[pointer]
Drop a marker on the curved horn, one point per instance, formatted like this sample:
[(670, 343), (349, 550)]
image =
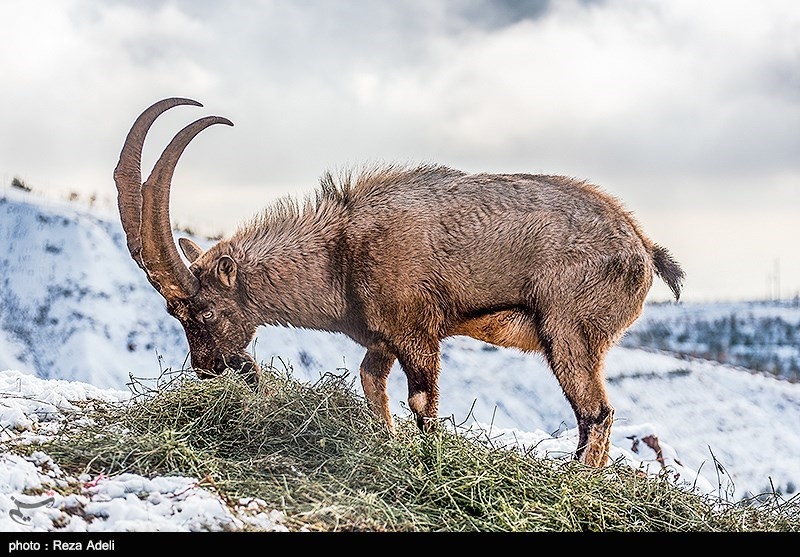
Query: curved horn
[(159, 253), (152, 245), (128, 174)]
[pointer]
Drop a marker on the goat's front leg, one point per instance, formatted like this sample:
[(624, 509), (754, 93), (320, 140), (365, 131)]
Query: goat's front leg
[(422, 373), (375, 368)]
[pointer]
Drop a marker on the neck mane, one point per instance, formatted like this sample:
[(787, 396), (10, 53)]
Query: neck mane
[(286, 260)]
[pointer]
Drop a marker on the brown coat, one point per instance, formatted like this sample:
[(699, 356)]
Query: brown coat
[(398, 259)]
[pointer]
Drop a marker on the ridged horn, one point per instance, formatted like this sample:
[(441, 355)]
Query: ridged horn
[(144, 208), (159, 252)]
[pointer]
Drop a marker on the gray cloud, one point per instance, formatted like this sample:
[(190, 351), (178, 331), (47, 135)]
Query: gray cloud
[(664, 104)]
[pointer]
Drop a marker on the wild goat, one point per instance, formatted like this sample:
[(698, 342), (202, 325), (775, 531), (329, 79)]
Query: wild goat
[(400, 258)]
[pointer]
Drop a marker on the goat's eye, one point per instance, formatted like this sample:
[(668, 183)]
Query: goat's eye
[(208, 315)]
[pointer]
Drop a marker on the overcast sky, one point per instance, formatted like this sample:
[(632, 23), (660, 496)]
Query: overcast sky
[(687, 111)]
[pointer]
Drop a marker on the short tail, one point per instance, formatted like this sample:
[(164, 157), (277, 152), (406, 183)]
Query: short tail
[(669, 270)]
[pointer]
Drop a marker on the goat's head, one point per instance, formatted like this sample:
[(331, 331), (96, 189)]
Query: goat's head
[(203, 297)]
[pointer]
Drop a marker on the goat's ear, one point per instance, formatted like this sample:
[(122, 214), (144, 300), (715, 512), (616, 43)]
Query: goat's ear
[(226, 270), (191, 250)]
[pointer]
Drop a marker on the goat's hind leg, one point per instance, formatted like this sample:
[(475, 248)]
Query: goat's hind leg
[(578, 365)]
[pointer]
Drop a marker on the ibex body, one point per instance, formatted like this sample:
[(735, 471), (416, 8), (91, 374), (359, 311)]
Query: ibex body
[(400, 258)]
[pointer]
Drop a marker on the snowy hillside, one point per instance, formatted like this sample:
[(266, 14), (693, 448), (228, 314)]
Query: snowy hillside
[(74, 306)]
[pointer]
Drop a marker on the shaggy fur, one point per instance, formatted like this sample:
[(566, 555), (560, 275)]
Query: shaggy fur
[(399, 258)]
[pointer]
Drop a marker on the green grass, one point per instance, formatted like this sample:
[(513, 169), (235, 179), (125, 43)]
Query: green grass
[(314, 452)]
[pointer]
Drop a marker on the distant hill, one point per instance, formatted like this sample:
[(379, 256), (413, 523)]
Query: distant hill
[(760, 335)]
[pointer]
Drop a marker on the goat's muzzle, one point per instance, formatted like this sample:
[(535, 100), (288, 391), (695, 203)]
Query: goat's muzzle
[(242, 364)]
